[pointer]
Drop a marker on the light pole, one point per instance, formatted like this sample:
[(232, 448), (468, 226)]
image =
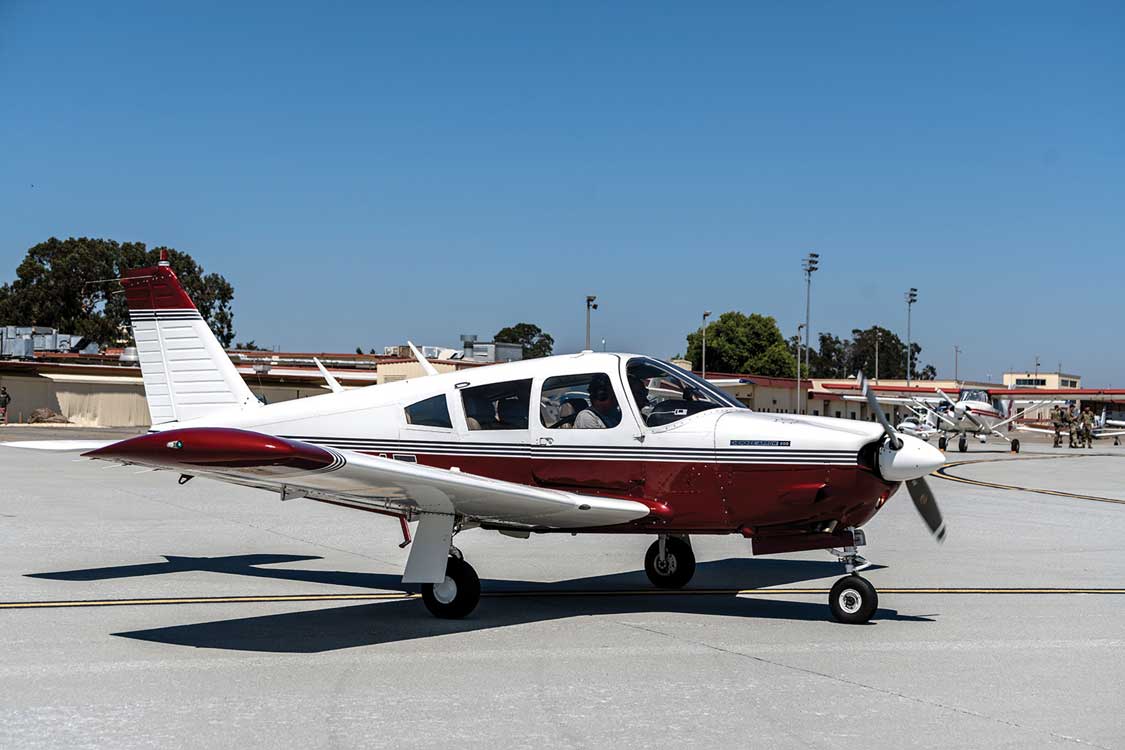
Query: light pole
[(876, 355), (809, 265), (706, 315), (956, 369), (1036, 366), (589, 305), (911, 298), (799, 328)]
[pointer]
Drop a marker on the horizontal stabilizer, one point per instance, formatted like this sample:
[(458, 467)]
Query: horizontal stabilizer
[(59, 446)]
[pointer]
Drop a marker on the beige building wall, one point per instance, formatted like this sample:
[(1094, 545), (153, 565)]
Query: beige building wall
[(1041, 380)]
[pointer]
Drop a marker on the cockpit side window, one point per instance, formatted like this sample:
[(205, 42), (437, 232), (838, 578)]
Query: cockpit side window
[(498, 406), (664, 393)]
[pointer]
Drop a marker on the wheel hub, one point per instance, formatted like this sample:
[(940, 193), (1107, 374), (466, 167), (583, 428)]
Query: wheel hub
[(850, 601), (446, 591), (666, 565)]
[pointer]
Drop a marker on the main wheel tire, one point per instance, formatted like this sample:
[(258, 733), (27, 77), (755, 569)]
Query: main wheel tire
[(942, 442), (853, 600), (1015, 445), (962, 445), (457, 595), (677, 567)]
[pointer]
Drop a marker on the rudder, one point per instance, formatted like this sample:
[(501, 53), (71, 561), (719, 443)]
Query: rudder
[(186, 371)]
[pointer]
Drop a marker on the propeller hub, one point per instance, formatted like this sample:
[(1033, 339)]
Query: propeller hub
[(913, 460)]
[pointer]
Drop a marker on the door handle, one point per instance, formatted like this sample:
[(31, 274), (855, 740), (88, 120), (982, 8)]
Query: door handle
[(546, 441)]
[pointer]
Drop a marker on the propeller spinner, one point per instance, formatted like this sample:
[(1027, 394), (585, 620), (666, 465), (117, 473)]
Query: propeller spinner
[(903, 458)]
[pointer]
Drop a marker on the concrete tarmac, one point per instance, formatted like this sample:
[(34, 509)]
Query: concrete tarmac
[(297, 633)]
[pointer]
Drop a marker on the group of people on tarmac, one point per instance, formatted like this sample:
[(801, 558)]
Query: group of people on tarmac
[(1079, 425)]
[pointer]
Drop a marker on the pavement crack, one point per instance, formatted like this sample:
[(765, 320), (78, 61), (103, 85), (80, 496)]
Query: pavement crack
[(861, 685)]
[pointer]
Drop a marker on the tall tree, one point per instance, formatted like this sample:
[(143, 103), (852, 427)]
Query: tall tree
[(742, 343), (71, 285), (535, 342)]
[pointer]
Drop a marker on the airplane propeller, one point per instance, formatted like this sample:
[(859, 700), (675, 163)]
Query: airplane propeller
[(919, 489)]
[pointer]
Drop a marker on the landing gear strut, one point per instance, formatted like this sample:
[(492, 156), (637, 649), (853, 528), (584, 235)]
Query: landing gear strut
[(670, 562), (853, 599)]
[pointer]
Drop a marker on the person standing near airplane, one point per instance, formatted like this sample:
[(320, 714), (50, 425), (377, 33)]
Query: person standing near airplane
[(1088, 427), (1056, 421), (5, 399)]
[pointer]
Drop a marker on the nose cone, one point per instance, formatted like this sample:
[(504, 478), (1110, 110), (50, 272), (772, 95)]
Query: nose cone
[(916, 458)]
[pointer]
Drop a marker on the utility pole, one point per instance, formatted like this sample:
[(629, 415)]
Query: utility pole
[(799, 328), (809, 264), (706, 315), (589, 305), (956, 371), (911, 298), (1036, 366)]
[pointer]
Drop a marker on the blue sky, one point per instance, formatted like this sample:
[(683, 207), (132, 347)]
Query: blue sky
[(368, 172)]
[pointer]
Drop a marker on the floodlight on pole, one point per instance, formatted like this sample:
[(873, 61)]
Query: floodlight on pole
[(809, 265), (911, 298), (590, 305), (706, 315)]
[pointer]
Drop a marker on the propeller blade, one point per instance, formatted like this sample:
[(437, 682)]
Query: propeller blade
[(873, 405), (927, 507)]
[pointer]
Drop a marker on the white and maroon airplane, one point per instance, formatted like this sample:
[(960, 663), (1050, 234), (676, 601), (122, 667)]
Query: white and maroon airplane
[(589, 442)]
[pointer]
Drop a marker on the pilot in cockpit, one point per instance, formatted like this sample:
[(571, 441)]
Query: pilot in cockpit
[(603, 411)]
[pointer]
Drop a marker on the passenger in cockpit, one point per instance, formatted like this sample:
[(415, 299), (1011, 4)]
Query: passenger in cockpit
[(604, 411)]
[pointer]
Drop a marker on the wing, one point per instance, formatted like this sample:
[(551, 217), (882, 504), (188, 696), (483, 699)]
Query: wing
[(297, 469)]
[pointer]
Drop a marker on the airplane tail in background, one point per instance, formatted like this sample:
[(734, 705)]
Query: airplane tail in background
[(187, 373)]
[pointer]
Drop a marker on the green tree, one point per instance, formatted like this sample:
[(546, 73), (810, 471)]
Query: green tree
[(741, 343), (72, 285), (535, 342), (775, 362)]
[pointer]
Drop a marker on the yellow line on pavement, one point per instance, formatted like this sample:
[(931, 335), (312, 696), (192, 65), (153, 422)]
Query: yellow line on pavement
[(389, 596)]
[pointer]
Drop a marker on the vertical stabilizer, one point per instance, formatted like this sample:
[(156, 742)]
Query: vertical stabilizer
[(187, 373)]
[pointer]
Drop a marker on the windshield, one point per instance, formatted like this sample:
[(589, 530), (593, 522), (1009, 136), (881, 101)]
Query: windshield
[(665, 393), (975, 395)]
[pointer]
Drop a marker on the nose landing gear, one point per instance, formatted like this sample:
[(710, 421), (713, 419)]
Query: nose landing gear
[(670, 562), (853, 600)]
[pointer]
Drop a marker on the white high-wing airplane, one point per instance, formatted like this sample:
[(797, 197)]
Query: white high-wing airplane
[(590, 442), (975, 414)]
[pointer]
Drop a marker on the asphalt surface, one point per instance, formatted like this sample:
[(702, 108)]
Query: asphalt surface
[(298, 633)]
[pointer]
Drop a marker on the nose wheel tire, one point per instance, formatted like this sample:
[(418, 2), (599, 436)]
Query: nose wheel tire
[(941, 443), (457, 595), (675, 569), (853, 600), (1016, 446), (962, 445)]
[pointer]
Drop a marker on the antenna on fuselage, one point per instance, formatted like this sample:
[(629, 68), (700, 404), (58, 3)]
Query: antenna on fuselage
[(426, 366), (333, 384)]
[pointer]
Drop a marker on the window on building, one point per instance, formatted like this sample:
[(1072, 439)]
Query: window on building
[(498, 406), (837, 415), (432, 412), (1031, 381), (853, 415)]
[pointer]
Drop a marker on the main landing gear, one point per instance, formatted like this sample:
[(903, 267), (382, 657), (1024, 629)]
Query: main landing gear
[(963, 444), (853, 600), (942, 442), (670, 562), (458, 594)]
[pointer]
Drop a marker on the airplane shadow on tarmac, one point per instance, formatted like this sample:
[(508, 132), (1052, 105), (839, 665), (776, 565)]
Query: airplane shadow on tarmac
[(337, 627)]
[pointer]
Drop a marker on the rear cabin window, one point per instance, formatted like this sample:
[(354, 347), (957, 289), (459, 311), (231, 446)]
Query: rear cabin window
[(497, 406), (433, 412)]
